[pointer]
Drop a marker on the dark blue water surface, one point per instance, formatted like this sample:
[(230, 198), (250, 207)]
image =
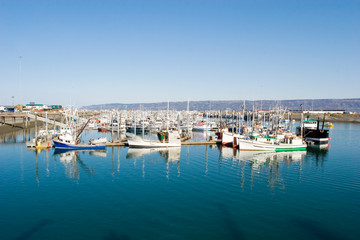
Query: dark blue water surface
[(194, 192)]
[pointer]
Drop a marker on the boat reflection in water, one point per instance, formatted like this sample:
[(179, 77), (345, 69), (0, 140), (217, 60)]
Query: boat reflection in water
[(98, 153), (71, 159), (263, 165), (228, 153), (171, 155), (318, 152), (260, 157), (201, 136)]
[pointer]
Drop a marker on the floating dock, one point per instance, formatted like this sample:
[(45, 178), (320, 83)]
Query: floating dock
[(199, 143), (124, 143)]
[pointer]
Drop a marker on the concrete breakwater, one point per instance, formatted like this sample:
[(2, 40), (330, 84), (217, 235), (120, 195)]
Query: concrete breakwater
[(346, 118)]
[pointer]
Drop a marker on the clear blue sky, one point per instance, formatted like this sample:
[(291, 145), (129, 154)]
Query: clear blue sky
[(94, 52)]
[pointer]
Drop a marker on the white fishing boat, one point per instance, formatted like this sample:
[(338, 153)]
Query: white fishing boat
[(170, 138), (97, 141), (267, 143), (201, 127), (231, 139), (227, 138)]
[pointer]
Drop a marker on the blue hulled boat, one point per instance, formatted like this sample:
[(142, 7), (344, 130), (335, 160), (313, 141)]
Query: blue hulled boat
[(68, 140), (74, 146)]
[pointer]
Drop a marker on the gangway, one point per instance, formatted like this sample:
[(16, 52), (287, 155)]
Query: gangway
[(45, 120)]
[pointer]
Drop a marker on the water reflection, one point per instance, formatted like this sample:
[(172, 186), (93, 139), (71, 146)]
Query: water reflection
[(228, 153), (169, 154), (98, 153), (257, 164), (202, 136), (260, 158), (319, 152), (72, 161), (262, 164), (20, 136)]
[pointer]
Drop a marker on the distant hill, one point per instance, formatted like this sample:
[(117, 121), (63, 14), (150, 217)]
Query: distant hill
[(351, 105)]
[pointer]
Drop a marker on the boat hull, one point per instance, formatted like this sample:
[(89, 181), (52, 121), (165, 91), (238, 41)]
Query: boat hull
[(61, 145), (250, 145), (101, 129), (227, 139), (318, 136), (151, 144)]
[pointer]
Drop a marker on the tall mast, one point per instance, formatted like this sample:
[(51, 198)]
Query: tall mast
[(167, 117), (301, 121), (188, 117)]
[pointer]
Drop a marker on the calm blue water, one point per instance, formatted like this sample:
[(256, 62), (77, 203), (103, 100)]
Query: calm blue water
[(196, 192)]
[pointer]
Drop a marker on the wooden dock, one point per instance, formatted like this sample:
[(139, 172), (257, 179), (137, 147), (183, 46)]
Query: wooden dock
[(116, 144), (199, 143), (124, 143)]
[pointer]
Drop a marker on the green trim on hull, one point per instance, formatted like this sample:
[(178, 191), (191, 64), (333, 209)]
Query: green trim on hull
[(290, 149)]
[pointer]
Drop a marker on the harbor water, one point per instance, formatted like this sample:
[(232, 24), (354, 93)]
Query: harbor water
[(192, 192)]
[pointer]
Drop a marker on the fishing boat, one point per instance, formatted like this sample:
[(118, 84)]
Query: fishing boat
[(205, 126), (312, 133), (102, 129), (98, 141), (201, 127), (230, 139), (68, 140), (328, 125), (227, 138), (268, 143), (167, 138)]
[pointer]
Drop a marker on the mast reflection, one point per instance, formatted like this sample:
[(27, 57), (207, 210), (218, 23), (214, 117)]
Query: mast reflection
[(72, 161)]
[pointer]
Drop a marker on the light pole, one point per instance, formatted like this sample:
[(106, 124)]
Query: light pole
[(20, 87), (13, 100)]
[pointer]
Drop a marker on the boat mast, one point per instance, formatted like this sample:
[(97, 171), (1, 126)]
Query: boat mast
[(238, 116), (188, 118), (301, 121), (134, 123), (233, 123), (118, 124), (167, 117), (207, 119), (46, 114), (143, 127)]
